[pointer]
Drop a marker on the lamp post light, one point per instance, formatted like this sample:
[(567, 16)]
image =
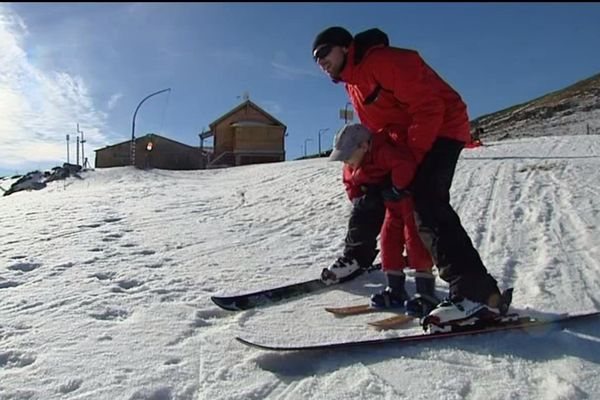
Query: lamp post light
[(322, 130), (306, 140), (346, 112), (132, 156)]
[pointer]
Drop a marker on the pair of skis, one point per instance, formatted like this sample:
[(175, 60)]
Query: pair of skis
[(264, 297)]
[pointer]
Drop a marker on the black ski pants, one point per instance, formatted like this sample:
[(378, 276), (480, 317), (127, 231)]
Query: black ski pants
[(440, 228), (364, 225)]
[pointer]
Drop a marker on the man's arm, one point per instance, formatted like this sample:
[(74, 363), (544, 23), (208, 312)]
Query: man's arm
[(402, 166), (404, 74)]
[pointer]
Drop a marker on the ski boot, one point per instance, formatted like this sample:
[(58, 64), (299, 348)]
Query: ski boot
[(457, 312), (343, 269), (424, 299), (394, 295)]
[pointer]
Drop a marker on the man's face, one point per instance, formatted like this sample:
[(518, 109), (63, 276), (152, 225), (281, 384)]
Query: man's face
[(330, 58)]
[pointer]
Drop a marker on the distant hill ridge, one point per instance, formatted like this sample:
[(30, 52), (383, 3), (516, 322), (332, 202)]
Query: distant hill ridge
[(574, 110)]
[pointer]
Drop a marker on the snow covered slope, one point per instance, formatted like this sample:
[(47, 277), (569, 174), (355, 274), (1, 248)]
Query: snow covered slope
[(105, 283)]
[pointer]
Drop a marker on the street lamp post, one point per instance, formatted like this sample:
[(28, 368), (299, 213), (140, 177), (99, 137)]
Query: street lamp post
[(68, 162), (82, 141), (306, 140), (322, 130), (132, 156)]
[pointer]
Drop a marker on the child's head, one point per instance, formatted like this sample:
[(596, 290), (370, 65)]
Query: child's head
[(350, 144)]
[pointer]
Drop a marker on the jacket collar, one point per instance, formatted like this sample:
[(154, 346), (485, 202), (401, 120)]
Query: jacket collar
[(348, 74), (362, 44)]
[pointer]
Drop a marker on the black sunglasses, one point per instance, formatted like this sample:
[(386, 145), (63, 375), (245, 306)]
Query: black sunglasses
[(323, 52)]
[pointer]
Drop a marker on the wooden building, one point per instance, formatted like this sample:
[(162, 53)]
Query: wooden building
[(153, 151), (246, 135)]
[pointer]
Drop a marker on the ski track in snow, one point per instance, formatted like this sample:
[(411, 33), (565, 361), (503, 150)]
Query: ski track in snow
[(105, 283)]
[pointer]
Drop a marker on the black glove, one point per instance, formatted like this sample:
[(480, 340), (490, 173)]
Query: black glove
[(371, 189), (392, 193)]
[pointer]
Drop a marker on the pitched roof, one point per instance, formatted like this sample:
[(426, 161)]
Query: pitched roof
[(145, 137), (245, 104)]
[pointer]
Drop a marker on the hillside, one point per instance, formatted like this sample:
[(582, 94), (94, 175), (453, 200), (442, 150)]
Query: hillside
[(574, 110)]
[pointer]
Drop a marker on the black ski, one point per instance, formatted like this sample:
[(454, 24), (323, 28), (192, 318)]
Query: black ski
[(520, 323), (264, 297)]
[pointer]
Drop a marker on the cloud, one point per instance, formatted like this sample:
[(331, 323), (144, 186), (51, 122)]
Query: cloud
[(39, 107), (233, 57), (285, 69), (271, 107), (288, 72), (112, 102)]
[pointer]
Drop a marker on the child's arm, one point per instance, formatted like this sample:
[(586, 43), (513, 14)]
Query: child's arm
[(352, 189)]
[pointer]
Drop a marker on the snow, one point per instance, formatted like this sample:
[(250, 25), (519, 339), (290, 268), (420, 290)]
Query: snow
[(105, 283)]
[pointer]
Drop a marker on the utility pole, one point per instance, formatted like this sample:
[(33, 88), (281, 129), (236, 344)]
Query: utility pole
[(67, 148), (77, 163)]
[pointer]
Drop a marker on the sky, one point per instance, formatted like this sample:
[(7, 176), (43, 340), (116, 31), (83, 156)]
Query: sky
[(63, 64), (105, 284)]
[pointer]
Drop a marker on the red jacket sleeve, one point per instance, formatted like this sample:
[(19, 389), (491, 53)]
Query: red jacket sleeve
[(398, 160), (352, 190), (402, 167), (405, 74)]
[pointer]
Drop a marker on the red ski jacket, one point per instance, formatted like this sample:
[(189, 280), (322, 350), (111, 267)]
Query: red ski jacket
[(393, 86), (399, 228)]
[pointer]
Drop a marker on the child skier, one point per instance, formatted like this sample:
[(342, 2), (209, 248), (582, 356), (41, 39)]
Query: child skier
[(375, 170)]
